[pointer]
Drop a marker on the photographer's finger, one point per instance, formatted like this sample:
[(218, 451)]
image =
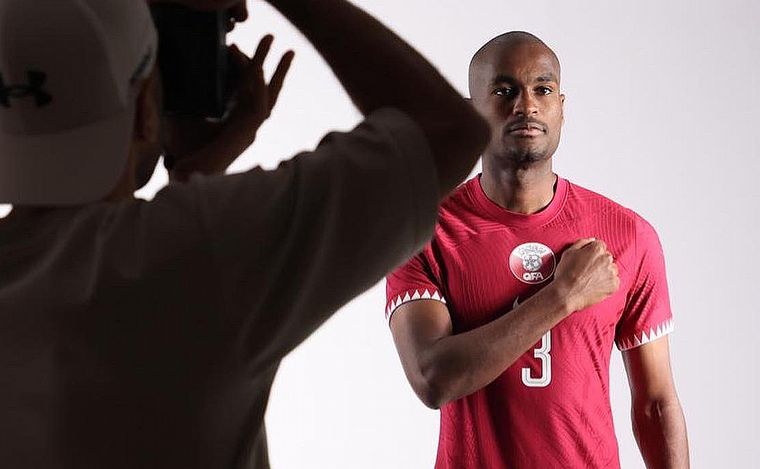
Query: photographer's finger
[(262, 51), (239, 59), (278, 78)]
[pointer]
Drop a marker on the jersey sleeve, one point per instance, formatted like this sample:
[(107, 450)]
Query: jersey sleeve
[(295, 244), (415, 280), (647, 315)]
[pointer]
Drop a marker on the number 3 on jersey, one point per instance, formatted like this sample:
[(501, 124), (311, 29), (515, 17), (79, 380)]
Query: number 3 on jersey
[(541, 353)]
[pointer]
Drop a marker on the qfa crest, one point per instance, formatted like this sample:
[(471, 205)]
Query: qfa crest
[(532, 263)]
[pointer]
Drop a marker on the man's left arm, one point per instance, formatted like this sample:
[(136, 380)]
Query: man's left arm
[(658, 422)]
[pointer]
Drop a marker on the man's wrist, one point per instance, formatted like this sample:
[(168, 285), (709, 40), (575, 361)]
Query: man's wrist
[(559, 298)]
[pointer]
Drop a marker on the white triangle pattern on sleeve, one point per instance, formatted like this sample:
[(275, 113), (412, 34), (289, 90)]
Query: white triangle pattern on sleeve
[(412, 295), (654, 333)]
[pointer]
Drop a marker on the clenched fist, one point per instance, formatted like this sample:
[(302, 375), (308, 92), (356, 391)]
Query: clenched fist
[(586, 274)]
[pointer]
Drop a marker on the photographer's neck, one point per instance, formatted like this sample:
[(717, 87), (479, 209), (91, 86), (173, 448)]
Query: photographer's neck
[(126, 185)]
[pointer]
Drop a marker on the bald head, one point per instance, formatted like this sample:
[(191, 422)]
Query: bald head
[(504, 44), (514, 85)]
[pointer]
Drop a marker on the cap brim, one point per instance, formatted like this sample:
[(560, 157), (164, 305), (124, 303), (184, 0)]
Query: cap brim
[(74, 167)]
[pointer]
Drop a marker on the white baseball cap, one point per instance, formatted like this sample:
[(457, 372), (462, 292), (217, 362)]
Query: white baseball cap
[(69, 71)]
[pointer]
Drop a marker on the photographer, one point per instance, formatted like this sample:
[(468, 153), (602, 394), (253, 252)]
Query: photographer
[(141, 334)]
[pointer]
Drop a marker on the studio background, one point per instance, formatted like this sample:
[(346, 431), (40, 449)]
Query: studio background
[(661, 116)]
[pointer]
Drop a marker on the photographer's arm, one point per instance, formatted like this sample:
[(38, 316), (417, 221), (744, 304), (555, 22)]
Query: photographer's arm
[(378, 69)]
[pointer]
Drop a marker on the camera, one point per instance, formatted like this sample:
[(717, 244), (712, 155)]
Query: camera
[(193, 61)]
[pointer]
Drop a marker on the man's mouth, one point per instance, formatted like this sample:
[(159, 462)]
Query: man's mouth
[(526, 129)]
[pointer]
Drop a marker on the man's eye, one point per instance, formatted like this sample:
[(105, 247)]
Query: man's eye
[(544, 90), (503, 92)]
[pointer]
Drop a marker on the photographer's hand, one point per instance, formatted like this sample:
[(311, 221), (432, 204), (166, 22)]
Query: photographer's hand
[(199, 146)]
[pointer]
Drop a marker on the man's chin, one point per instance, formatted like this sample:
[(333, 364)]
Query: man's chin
[(526, 155), (532, 147)]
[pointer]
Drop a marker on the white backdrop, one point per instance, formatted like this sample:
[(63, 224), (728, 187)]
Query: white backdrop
[(661, 115)]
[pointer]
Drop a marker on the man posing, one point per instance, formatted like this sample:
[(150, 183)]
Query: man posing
[(506, 319)]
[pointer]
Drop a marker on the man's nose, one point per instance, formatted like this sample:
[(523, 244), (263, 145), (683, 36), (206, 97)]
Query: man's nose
[(525, 104)]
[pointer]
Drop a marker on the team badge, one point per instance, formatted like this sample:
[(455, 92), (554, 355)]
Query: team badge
[(532, 263)]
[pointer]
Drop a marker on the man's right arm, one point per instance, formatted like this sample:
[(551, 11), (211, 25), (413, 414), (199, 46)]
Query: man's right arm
[(378, 69), (443, 367)]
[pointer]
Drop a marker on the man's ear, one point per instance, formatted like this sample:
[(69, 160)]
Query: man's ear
[(562, 103), (147, 126)]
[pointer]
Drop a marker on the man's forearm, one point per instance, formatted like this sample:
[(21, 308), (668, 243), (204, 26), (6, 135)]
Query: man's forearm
[(378, 69), (461, 364), (660, 430)]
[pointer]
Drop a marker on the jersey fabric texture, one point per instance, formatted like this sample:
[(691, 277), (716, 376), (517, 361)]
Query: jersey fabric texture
[(147, 334), (551, 408)]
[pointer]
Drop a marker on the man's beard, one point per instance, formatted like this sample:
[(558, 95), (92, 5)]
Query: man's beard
[(526, 156)]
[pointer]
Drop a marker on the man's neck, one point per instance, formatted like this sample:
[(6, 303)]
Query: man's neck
[(525, 190)]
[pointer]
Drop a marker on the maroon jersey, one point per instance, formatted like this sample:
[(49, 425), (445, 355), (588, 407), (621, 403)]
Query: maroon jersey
[(551, 408)]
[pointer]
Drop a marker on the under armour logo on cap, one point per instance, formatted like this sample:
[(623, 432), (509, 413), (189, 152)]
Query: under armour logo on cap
[(67, 110), (36, 80)]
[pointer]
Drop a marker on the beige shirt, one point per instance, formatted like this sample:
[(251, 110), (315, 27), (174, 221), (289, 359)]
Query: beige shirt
[(147, 334)]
